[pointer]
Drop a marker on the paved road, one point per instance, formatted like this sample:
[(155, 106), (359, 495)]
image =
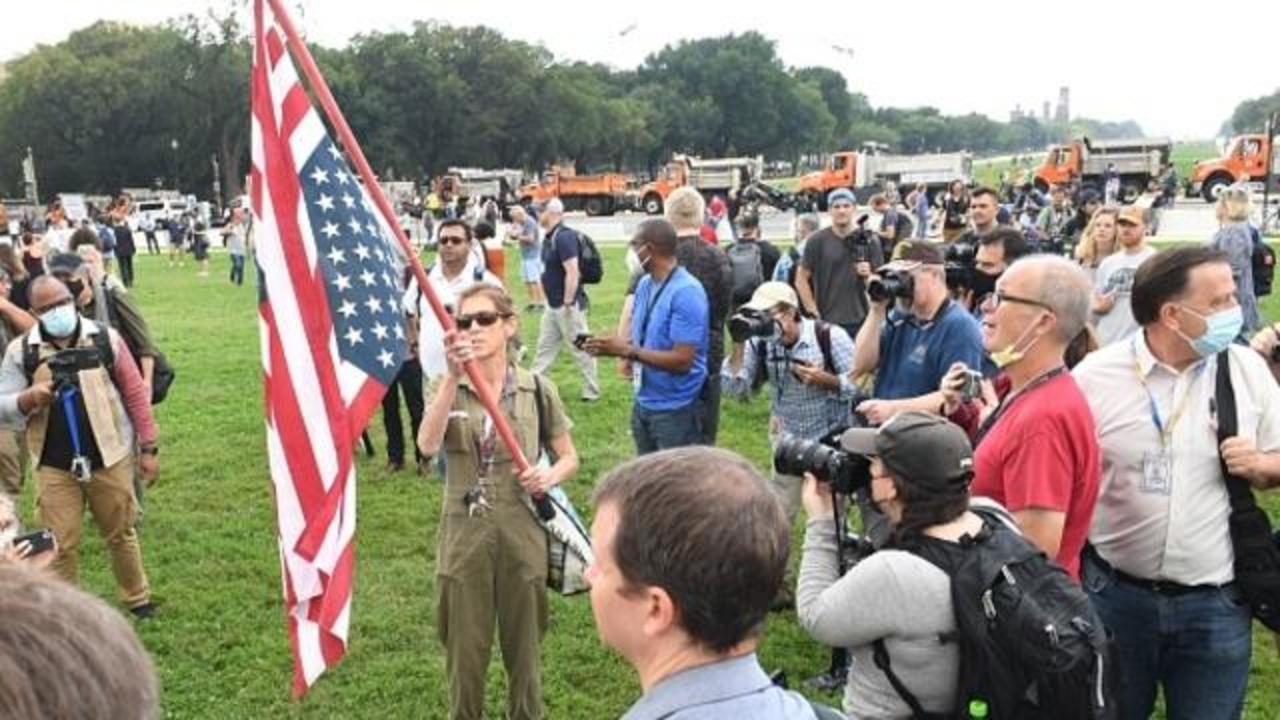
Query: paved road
[(1188, 219)]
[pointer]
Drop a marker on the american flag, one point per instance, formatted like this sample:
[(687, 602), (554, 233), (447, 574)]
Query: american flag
[(331, 338)]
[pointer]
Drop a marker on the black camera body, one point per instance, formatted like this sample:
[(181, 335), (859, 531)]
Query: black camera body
[(66, 364), (959, 263), (845, 472), (751, 323), (891, 285)]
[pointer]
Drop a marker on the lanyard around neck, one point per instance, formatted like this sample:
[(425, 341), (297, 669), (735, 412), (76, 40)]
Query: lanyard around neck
[(1164, 427)]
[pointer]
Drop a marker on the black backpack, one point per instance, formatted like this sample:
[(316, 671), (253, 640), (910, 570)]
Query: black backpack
[(746, 259), (1031, 644), (590, 266), (1264, 265)]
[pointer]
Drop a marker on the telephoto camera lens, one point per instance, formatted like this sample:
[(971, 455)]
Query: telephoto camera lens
[(845, 472)]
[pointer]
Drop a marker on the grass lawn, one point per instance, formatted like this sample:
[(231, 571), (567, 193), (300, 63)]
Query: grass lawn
[(219, 639)]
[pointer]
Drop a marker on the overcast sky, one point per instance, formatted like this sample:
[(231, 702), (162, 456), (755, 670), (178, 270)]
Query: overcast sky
[(1175, 68)]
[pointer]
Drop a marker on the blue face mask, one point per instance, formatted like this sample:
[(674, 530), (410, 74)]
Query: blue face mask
[(1221, 329), (60, 322)]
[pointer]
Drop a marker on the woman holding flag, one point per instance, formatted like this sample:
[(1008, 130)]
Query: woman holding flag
[(491, 565)]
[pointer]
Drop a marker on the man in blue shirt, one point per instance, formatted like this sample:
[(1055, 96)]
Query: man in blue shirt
[(667, 347), (911, 347), (566, 315), (690, 549)]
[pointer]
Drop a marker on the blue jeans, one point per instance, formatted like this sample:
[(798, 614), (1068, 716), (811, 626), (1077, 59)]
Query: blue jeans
[(1195, 645), (237, 269), (655, 430)]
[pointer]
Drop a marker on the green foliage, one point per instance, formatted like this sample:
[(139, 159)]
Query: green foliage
[(101, 109), (209, 538), (1251, 115)]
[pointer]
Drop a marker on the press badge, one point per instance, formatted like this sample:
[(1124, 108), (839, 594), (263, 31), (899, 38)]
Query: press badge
[(1157, 472)]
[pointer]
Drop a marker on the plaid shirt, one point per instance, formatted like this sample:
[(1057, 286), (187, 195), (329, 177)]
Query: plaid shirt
[(805, 411)]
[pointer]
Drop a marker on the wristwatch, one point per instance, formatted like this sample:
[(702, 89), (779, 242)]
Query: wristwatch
[(153, 450)]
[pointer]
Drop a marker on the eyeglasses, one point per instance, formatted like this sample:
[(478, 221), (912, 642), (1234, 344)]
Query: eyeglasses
[(452, 240), (995, 299), (483, 319)]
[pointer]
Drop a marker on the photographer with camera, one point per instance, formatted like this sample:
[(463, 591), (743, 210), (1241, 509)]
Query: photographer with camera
[(77, 387), (835, 267), (976, 279), (913, 335), (917, 467), (807, 362), (1036, 449)]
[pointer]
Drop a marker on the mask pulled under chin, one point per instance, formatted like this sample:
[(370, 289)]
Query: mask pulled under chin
[(1007, 356)]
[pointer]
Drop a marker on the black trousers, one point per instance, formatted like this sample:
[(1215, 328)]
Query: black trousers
[(408, 381), (153, 245), (126, 269)]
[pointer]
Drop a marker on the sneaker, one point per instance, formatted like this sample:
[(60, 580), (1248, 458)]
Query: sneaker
[(143, 612)]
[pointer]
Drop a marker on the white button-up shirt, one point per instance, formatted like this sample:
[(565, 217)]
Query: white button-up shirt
[(1179, 535), (430, 334)]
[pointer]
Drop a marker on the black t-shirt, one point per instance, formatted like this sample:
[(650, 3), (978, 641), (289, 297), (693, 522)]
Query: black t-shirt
[(955, 212), (839, 292), (124, 240)]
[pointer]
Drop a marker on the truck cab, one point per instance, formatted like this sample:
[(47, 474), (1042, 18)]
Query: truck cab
[(840, 172), (1245, 160), (1061, 164)]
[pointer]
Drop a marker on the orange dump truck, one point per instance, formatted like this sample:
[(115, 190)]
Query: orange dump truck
[(596, 194), (1244, 161)]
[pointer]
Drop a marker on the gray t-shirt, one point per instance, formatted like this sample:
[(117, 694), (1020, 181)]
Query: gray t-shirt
[(1115, 275), (1236, 241), (893, 595), (840, 293)]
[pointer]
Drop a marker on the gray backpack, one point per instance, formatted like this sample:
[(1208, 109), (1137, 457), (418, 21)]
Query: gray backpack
[(748, 269)]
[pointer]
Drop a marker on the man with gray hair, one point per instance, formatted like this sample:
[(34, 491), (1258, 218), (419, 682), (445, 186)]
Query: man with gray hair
[(1036, 452), (566, 315)]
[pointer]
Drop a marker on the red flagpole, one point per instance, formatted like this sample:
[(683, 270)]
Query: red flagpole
[(349, 143)]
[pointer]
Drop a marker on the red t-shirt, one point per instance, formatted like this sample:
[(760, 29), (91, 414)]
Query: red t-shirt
[(1043, 454)]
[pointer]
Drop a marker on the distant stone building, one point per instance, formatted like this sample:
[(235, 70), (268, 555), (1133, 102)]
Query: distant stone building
[(1063, 114)]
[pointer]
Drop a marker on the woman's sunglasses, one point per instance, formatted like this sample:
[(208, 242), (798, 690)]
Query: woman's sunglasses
[(483, 319)]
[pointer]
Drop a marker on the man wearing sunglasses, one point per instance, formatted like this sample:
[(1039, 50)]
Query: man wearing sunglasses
[(455, 270), (1035, 447)]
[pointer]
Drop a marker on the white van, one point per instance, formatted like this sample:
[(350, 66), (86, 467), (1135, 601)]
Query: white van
[(157, 210)]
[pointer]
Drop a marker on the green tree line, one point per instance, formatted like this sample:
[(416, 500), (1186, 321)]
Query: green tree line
[(119, 105), (1251, 115)]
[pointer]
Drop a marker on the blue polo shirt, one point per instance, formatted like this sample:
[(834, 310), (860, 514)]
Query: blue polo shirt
[(669, 313), (916, 354)]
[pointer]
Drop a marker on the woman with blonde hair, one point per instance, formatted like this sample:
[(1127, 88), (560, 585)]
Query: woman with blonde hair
[(1098, 240), (1235, 238), (491, 567)]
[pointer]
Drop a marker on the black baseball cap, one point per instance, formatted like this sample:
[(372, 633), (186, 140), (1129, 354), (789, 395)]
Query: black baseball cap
[(917, 447)]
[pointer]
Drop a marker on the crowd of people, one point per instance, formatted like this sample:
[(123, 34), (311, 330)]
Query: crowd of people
[(1058, 386)]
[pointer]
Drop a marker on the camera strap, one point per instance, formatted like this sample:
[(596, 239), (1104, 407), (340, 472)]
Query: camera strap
[(1009, 401)]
